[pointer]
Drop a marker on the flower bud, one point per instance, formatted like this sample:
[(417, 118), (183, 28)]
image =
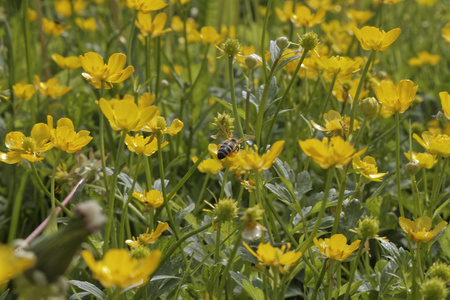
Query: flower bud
[(434, 289), (412, 167), (140, 252), (161, 123), (253, 230), (440, 270), (224, 120), (250, 62), (225, 210), (368, 107), (282, 42), (309, 41), (164, 84), (417, 100), (231, 47), (368, 228)]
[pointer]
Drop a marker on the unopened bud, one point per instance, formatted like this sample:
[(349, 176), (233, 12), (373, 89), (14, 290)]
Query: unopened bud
[(309, 41), (231, 47), (412, 167), (368, 228), (368, 107), (225, 210), (434, 289), (140, 252), (250, 62), (164, 84), (440, 270), (282, 42), (417, 100)]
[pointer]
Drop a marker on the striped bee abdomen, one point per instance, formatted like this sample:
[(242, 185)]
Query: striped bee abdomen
[(225, 149)]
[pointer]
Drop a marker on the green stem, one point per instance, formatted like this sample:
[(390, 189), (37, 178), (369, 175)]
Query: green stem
[(131, 38), (340, 201), (204, 61), (425, 186), (416, 196), (198, 204), (224, 181), (320, 279), (52, 184), (102, 138), (397, 163), (435, 198), (16, 208), (330, 92), (263, 40), (233, 96), (158, 66), (148, 173), (186, 48), (148, 72), (217, 252), (353, 268)]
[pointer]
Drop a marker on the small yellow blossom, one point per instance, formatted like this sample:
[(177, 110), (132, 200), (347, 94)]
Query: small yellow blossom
[(211, 166), (24, 91), (209, 36), (425, 160), (304, 18), (152, 198), (147, 238), (28, 148), (420, 229), (51, 88), (426, 2), (64, 7), (125, 115), (434, 143), (335, 124), (53, 28), (250, 160), (69, 62), (231, 161), (142, 145), (369, 168), (445, 102), (330, 152), (146, 6), (276, 257), (65, 137), (395, 98), (32, 15), (336, 247), (176, 68), (88, 24), (159, 125), (445, 32), (343, 66), (13, 263), (97, 71), (345, 90), (360, 16), (287, 13), (372, 38), (424, 58), (119, 269), (387, 2), (152, 28)]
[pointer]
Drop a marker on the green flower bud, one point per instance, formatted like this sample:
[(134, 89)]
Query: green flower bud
[(164, 84), (250, 62), (368, 228), (417, 128), (412, 167), (368, 107), (309, 41), (253, 214), (140, 252), (225, 121), (231, 47), (434, 289), (417, 100), (440, 270), (225, 210), (282, 42)]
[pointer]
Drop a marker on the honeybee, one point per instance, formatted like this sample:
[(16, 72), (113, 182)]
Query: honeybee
[(231, 146)]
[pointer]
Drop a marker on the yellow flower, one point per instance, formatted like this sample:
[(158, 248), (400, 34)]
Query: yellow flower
[(32, 15), (425, 160), (287, 13), (231, 161), (125, 114), (445, 102), (434, 143), (330, 152), (64, 136), (369, 168), (426, 2), (372, 38), (51, 88), (146, 6), (276, 257), (24, 91), (152, 28), (28, 148), (88, 24), (250, 160), (53, 28), (211, 166), (424, 58), (445, 32), (345, 90), (388, 2), (147, 238), (97, 71), (69, 62), (151, 198), (13, 263), (119, 269), (360, 16), (343, 66), (177, 25), (142, 145), (159, 125), (335, 124), (395, 98), (209, 36), (304, 18), (336, 247), (64, 7), (420, 229)]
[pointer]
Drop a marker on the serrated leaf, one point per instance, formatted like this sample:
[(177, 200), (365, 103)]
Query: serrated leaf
[(89, 287)]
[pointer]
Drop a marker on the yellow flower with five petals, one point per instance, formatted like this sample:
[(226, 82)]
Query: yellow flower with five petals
[(369, 168), (372, 38), (303, 17), (152, 28), (65, 137), (13, 263), (445, 102), (53, 28), (159, 125), (395, 98), (152, 198), (210, 166), (146, 6), (420, 229), (336, 247), (425, 160), (434, 143), (250, 160), (148, 238), (143, 145), (24, 91), (51, 88), (69, 62)]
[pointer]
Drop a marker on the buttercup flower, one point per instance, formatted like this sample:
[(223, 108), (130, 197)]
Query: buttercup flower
[(276, 257), (148, 238), (425, 160), (330, 152), (64, 136), (97, 71), (51, 88), (434, 143), (32, 15), (142, 145), (88, 24), (231, 161), (119, 269), (28, 148), (146, 6), (445, 32), (341, 65), (209, 36), (69, 62), (359, 16), (395, 98), (211, 166), (372, 38), (13, 263), (152, 28), (53, 28), (64, 7), (445, 102), (345, 90), (424, 58), (369, 168), (24, 91), (420, 229), (250, 160), (304, 18), (336, 247), (159, 125), (151, 198), (125, 115), (335, 124), (287, 13)]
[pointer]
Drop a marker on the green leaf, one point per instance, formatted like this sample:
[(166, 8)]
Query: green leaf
[(3, 296), (444, 241), (242, 280), (89, 287), (241, 112)]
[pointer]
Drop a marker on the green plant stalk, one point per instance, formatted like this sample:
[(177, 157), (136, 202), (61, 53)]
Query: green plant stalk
[(340, 201), (416, 196), (217, 248), (52, 184), (280, 220), (148, 67), (11, 79), (158, 66), (285, 95), (263, 41), (425, 186), (353, 268), (233, 96), (186, 48), (124, 217), (276, 280), (130, 41), (16, 208), (110, 228), (26, 35), (224, 181), (247, 101), (198, 204), (102, 138), (330, 279), (322, 210), (320, 279), (204, 61), (358, 90), (435, 198), (148, 173), (397, 163), (330, 92)]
